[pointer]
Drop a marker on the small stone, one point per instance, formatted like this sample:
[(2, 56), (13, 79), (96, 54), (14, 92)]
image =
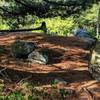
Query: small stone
[(60, 83), (37, 57), (57, 80)]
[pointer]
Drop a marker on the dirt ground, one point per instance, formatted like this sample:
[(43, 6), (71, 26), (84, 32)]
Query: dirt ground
[(69, 60)]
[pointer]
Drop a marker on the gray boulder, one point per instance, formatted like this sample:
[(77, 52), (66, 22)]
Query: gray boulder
[(21, 48), (38, 57)]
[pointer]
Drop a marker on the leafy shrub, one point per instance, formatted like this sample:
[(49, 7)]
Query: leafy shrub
[(89, 19), (15, 96), (58, 26), (65, 26)]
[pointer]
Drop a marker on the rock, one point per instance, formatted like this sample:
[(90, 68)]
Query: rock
[(60, 83), (21, 48), (38, 57), (85, 36), (94, 66), (57, 80)]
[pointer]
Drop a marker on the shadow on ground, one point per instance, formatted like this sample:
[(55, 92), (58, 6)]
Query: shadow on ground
[(71, 76)]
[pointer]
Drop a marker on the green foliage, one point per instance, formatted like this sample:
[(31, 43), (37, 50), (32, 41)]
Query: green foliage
[(65, 26), (90, 15), (89, 19), (63, 93), (43, 8), (26, 91), (3, 26), (21, 22), (15, 96), (58, 26)]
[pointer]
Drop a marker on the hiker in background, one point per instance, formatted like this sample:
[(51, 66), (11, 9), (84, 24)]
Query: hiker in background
[(83, 34)]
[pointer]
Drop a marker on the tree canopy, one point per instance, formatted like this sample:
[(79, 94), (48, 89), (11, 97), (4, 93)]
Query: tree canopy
[(43, 8)]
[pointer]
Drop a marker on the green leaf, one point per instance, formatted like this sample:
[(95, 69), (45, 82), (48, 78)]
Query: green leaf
[(30, 98)]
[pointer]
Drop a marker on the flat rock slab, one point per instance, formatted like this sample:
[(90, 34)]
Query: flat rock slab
[(74, 53)]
